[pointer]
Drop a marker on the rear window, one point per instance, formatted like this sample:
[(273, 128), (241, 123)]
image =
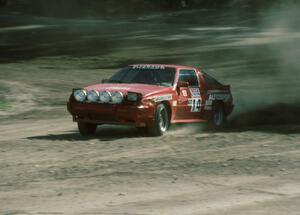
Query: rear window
[(210, 80)]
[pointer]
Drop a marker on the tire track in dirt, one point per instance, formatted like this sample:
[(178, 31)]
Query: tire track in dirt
[(20, 97), (174, 174), (189, 199)]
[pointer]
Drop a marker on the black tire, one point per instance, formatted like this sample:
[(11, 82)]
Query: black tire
[(218, 117), (161, 122), (142, 130), (86, 129)]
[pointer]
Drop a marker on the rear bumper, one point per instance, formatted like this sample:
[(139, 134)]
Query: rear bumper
[(123, 114)]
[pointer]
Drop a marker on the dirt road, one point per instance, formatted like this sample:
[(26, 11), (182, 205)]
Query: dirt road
[(252, 168), (47, 168)]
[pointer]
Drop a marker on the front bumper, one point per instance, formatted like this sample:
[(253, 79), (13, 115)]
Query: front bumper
[(138, 115)]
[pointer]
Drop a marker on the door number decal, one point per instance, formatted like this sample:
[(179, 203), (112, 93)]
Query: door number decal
[(195, 104)]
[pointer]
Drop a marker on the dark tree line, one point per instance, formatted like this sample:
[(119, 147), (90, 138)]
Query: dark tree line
[(124, 7), (3, 2)]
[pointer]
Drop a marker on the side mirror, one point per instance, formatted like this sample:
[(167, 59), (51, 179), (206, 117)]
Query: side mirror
[(104, 81), (182, 84)]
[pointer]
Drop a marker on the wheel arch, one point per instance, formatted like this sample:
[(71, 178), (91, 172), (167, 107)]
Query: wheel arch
[(218, 102), (226, 106)]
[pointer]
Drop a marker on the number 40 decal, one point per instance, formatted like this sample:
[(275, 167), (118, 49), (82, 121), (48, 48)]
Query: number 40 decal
[(195, 104)]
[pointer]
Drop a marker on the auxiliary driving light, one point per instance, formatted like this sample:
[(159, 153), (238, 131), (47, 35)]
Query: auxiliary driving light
[(80, 95), (93, 96), (105, 96), (117, 97)]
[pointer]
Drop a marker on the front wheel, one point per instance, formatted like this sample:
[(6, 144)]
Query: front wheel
[(161, 121), (86, 129)]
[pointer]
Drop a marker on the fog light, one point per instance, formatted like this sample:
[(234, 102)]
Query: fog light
[(80, 95), (117, 97), (105, 97), (93, 96)]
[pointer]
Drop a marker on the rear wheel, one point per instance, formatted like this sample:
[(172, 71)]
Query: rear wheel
[(161, 122), (218, 118), (86, 129)]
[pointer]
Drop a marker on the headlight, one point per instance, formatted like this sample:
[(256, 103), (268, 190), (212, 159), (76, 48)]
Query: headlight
[(93, 96), (105, 97), (80, 95), (133, 97), (117, 97)]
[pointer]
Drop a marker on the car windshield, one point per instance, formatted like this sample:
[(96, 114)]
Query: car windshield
[(152, 75)]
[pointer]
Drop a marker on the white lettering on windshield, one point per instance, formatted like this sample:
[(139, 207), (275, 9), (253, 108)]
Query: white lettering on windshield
[(148, 67)]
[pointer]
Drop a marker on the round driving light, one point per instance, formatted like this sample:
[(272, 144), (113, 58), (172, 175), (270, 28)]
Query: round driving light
[(105, 97), (93, 96), (80, 95), (117, 97)]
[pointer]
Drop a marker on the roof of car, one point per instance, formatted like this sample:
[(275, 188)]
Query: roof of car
[(165, 65)]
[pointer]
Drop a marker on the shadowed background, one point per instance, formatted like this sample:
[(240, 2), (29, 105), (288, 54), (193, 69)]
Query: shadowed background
[(252, 45)]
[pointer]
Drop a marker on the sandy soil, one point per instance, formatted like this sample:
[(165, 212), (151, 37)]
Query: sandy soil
[(252, 167), (47, 168)]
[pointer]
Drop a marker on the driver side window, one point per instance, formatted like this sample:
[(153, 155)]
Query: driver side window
[(189, 76)]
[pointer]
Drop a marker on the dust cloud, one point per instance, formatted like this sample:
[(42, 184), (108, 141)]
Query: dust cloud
[(268, 91)]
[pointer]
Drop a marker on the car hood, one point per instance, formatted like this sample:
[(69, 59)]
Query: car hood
[(144, 89)]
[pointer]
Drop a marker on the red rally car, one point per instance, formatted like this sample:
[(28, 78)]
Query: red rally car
[(151, 97)]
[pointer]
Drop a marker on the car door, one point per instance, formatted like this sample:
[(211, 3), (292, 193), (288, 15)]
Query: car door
[(190, 100)]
